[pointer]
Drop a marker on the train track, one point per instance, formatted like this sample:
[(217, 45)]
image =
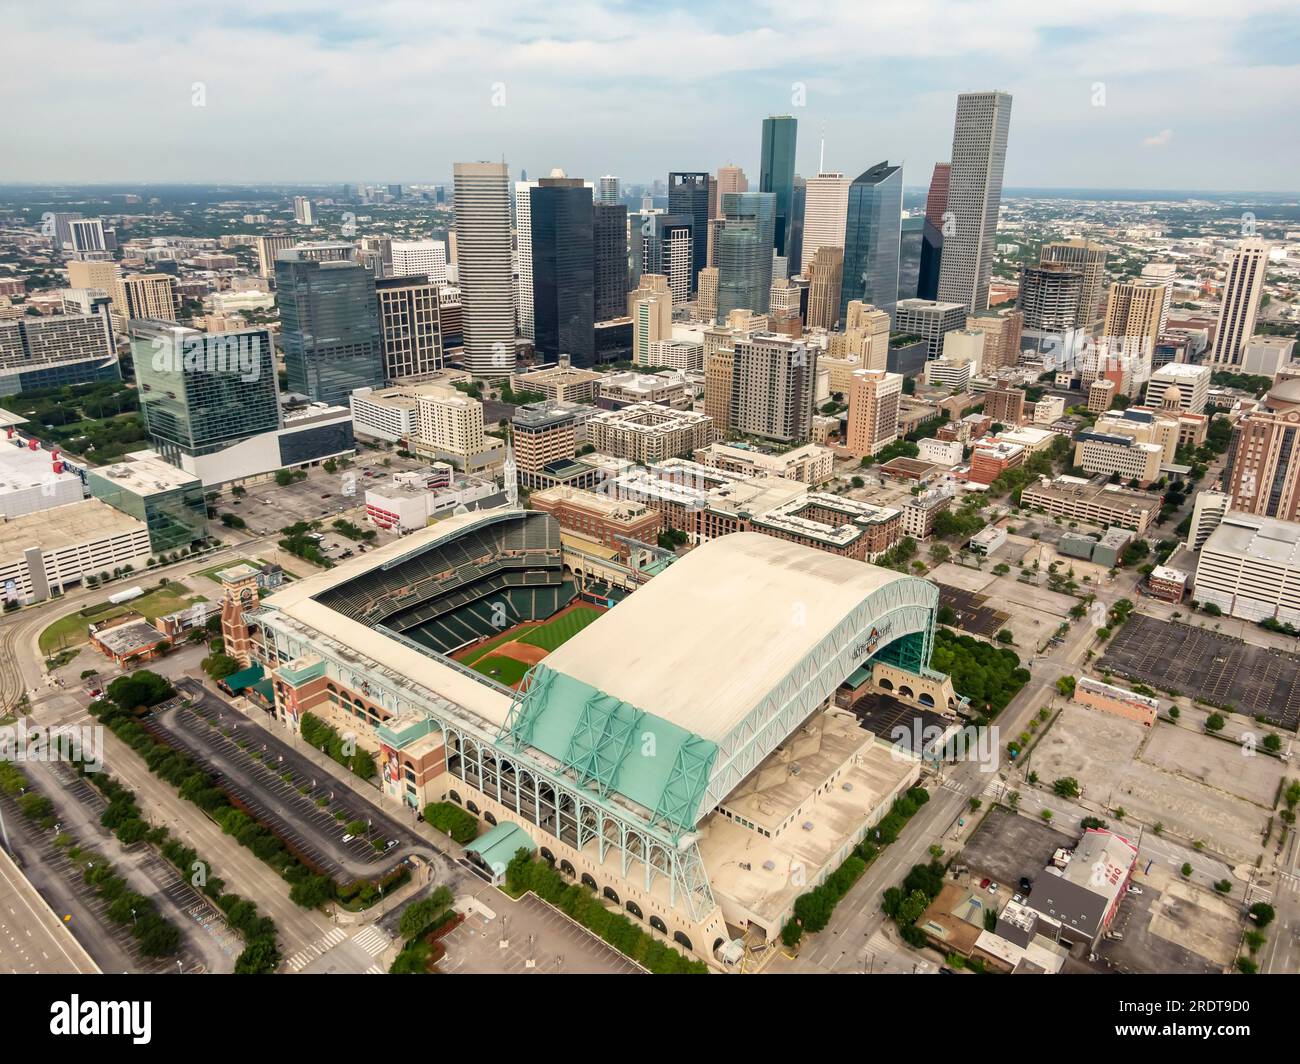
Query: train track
[(11, 677)]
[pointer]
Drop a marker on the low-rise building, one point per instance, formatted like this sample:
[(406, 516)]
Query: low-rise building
[(1119, 456), (940, 452), (1095, 501), (1116, 700), (919, 511), (987, 540), (605, 519), (1167, 583), (411, 500), (649, 432), (562, 383), (990, 460), (127, 640), (810, 464)]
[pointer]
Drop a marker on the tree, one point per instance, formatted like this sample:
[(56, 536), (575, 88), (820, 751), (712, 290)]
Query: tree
[(1262, 913), (1214, 723), (1066, 787), (1065, 685), (139, 690), (1272, 742), (1187, 870)]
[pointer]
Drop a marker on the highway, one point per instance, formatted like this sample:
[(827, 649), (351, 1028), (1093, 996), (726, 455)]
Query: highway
[(33, 940)]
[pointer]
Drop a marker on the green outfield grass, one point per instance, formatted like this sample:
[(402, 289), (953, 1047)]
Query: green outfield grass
[(508, 636), (506, 671), (552, 634)]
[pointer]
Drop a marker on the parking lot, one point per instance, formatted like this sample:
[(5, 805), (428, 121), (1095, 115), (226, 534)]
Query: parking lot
[(321, 496), (1007, 846), (974, 615), (1172, 927), (1203, 664), (305, 807), (534, 931)]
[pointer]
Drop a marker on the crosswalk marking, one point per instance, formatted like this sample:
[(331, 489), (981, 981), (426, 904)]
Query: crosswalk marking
[(323, 945), (372, 940)]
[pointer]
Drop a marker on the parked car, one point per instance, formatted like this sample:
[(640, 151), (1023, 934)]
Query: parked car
[(993, 888), (348, 837), (1025, 885), (1135, 890), (984, 884), (390, 844)]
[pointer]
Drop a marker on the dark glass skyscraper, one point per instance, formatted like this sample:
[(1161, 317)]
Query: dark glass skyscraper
[(611, 261), (776, 172), (936, 211), (688, 194), (872, 236), (564, 261), (910, 247), (744, 252), (329, 327), (794, 250)]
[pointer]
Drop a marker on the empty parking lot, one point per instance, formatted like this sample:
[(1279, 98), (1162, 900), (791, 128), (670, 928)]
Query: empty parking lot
[(1207, 665)]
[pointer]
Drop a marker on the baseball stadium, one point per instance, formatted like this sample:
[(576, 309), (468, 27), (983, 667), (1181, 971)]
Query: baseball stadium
[(683, 753)]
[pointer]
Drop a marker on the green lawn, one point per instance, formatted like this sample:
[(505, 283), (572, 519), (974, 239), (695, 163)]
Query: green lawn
[(70, 630), (506, 671), (211, 574), (552, 634)]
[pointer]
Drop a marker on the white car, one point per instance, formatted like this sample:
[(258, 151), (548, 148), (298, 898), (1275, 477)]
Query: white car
[(993, 888), (348, 838), (1135, 890)]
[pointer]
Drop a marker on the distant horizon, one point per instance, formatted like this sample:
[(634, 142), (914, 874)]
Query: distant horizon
[(1007, 190)]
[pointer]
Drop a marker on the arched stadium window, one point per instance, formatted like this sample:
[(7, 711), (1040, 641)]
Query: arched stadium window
[(589, 881), (472, 808), (611, 895), (905, 691), (490, 819), (717, 945), (635, 910), (680, 938), (454, 797), (567, 869), (926, 699), (887, 684), (548, 857), (659, 925)]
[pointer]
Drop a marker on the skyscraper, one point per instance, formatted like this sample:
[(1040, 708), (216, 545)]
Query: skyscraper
[(650, 306), (776, 172), (610, 247), (688, 195), (1242, 289), (936, 208), (1049, 297), (910, 248), (609, 190), (664, 244), (872, 238), (483, 259), (1090, 260), (825, 281), (202, 392), (411, 327), (303, 211), (329, 325), (731, 179), (564, 258), (745, 252), (825, 213), (874, 398), (1262, 474), (523, 273), (979, 153), (773, 385), (795, 256)]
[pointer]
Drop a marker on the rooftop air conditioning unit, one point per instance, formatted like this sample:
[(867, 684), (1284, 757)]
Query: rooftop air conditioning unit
[(769, 866), (807, 825)]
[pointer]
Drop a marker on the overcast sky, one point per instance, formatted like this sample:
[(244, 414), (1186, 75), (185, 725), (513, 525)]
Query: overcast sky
[(1171, 94)]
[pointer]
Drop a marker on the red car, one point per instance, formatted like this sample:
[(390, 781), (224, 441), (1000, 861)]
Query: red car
[(984, 884)]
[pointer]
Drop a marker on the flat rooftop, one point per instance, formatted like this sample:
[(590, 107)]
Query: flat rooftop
[(1265, 538), (21, 467), (144, 472), (64, 526)]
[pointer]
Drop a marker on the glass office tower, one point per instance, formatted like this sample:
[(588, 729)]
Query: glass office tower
[(562, 226), (329, 327), (872, 238), (909, 256), (688, 194), (200, 392), (744, 252), (776, 173)]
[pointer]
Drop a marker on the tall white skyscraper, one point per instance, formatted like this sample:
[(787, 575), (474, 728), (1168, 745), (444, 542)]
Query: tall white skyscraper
[(1242, 290), (825, 212), (303, 212), (524, 258), (979, 153), (411, 257), (483, 259), (609, 190)]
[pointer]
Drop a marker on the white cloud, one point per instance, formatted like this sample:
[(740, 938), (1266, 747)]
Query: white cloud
[(1159, 140)]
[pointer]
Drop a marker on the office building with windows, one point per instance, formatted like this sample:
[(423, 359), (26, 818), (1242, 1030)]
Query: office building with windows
[(872, 239), (745, 252)]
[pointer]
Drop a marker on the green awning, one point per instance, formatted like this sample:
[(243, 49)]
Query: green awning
[(265, 690), (237, 681), (498, 847)]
